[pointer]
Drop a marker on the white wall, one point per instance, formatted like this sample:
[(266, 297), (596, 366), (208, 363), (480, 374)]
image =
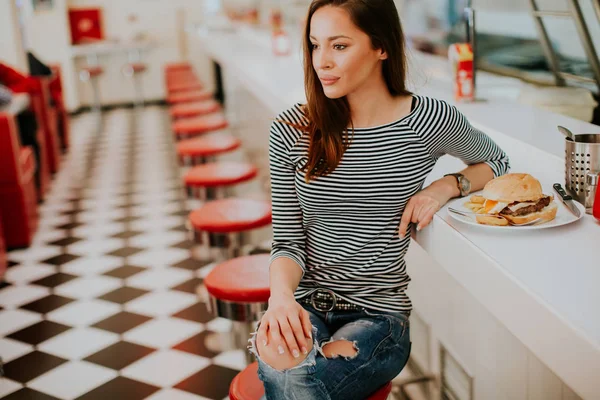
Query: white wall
[(47, 35), (11, 48), (161, 20)]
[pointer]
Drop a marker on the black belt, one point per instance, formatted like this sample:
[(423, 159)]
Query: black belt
[(325, 300)]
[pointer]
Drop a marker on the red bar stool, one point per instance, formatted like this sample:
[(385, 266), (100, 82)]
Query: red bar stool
[(134, 70), (200, 150), (177, 66), (187, 110), (185, 74), (184, 85), (220, 224), (247, 386), (211, 181), (189, 96), (92, 74), (238, 290), (188, 127)]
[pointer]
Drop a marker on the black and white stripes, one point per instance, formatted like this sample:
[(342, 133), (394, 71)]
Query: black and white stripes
[(341, 228)]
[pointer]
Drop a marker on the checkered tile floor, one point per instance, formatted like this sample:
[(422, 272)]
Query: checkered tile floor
[(103, 305)]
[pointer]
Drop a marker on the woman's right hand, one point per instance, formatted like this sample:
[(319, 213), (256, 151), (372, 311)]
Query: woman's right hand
[(288, 325)]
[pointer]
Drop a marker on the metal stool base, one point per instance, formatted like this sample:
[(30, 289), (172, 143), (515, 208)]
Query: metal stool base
[(243, 315)]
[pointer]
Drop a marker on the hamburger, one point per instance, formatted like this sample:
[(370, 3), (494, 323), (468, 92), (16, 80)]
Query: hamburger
[(516, 197)]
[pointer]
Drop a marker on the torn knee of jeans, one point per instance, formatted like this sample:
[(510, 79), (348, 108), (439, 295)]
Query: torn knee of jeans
[(308, 361), (340, 347)]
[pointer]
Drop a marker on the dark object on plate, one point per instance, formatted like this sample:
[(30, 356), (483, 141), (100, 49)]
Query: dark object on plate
[(566, 199)]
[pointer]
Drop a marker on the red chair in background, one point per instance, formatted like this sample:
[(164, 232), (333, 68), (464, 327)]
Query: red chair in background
[(48, 119), (39, 93), (18, 200)]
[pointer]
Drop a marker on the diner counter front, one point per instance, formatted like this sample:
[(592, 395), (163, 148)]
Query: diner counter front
[(542, 285)]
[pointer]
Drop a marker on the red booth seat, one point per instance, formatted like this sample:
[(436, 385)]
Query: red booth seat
[(18, 200)]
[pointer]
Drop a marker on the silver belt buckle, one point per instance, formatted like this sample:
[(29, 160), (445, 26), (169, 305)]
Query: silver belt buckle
[(330, 292)]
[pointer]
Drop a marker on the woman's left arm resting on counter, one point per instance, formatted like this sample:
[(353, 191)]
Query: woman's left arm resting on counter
[(456, 137)]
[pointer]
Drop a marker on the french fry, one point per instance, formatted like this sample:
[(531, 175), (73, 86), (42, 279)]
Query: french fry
[(477, 199), (472, 206)]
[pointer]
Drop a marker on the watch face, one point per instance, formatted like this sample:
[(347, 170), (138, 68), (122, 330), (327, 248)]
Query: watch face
[(465, 185)]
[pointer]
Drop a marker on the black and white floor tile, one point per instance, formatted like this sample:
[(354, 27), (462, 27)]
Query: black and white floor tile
[(103, 305)]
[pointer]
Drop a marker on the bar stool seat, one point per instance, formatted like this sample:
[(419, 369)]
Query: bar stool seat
[(247, 386), (92, 71), (220, 174), (136, 67), (177, 66), (186, 110), (180, 75), (242, 280), (198, 125), (197, 150), (189, 96), (182, 86), (182, 78), (231, 215)]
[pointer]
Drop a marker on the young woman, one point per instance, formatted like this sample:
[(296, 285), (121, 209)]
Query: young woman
[(347, 173)]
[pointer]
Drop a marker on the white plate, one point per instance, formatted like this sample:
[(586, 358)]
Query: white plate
[(563, 215)]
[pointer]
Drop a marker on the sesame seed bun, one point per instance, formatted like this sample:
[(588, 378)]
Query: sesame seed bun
[(513, 187)]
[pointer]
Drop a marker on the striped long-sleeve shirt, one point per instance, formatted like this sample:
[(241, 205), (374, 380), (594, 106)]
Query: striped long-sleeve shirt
[(341, 228)]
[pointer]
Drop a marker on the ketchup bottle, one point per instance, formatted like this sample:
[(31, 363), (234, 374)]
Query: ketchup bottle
[(596, 209)]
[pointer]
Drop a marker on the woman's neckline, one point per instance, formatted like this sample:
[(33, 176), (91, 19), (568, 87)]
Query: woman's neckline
[(388, 124)]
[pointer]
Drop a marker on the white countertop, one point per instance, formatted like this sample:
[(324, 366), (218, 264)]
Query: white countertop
[(542, 285)]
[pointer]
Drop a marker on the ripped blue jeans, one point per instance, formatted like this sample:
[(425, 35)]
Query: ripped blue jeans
[(382, 342)]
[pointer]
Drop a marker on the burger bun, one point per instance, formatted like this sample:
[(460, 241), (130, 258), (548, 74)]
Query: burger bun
[(513, 187)]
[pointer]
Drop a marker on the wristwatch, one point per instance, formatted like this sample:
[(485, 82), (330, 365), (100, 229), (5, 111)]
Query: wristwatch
[(464, 185)]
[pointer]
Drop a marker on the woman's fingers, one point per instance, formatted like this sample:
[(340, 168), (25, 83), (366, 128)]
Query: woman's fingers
[(300, 344), (416, 212), (306, 324), (426, 216), (406, 217), (261, 333), (288, 335), (275, 331)]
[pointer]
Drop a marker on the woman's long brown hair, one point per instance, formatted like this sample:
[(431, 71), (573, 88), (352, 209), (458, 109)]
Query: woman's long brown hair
[(328, 119)]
